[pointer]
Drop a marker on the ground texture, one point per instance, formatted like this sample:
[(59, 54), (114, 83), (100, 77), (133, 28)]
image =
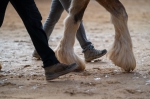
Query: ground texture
[(22, 76)]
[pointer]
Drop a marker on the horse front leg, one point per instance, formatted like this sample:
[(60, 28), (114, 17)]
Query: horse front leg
[(121, 52), (65, 51)]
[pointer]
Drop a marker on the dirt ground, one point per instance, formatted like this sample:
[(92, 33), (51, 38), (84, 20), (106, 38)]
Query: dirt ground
[(22, 76)]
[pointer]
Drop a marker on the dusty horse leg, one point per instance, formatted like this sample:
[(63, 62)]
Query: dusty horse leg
[(121, 52), (64, 51)]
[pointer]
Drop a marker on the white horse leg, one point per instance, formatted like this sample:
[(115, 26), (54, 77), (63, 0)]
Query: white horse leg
[(121, 52), (65, 51)]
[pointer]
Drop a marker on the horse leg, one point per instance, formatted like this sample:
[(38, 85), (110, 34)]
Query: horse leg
[(64, 51), (121, 52)]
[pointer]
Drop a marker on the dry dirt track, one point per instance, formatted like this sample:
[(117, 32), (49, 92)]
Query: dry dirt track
[(23, 78)]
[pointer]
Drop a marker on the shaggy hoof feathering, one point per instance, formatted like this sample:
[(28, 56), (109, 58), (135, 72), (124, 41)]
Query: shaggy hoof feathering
[(124, 60), (67, 56)]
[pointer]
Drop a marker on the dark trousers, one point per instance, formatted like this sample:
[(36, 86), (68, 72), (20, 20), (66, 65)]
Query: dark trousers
[(31, 18)]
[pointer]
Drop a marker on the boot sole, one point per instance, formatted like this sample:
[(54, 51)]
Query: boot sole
[(56, 75)]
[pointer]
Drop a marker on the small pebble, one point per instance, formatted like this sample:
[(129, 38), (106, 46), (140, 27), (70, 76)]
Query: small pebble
[(97, 79)]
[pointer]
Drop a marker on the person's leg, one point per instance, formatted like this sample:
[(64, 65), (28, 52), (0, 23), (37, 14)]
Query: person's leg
[(89, 51), (3, 5), (54, 15), (32, 21)]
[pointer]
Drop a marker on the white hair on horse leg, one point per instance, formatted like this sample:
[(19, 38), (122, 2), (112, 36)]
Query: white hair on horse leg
[(121, 53), (64, 51)]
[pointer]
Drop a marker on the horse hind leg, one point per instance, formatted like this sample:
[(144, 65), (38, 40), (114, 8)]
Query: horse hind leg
[(121, 52), (64, 51)]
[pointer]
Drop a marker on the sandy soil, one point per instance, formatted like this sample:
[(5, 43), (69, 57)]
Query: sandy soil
[(22, 76)]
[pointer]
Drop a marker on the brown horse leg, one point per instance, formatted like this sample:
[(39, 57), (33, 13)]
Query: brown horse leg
[(121, 53), (64, 51)]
